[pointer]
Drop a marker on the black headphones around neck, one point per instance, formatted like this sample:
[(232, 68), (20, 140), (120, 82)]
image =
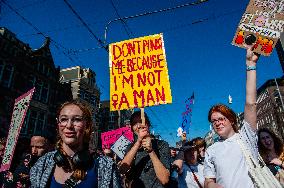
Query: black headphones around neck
[(80, 160)]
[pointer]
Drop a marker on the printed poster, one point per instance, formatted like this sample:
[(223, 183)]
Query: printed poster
[(138, 73), (262, 22), (120, 146), (19, 112)]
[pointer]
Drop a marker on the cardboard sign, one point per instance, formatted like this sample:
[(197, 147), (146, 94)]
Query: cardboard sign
[(110, 137), (138, 73), (19, 112), (262, 22), (120, 146)]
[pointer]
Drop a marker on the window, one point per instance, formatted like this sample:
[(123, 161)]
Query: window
[(40, 67), (40, 122), (35, 121), (32, 121), (6, 73), (38, 91), (1, 68), (31, 82), (111, 117), (24, 129), (47, 71), (93, 100), (42, 89), (44, 93)]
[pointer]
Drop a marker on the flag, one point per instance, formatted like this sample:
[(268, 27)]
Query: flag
[(230, 99), (179, 131), (186, 115)]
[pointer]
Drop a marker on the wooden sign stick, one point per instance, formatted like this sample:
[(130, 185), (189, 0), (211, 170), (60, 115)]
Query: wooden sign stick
[(142, 116), (119, 119)]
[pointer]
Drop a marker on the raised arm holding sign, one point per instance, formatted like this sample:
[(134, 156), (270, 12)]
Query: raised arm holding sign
[(139, 78), (146, 156)]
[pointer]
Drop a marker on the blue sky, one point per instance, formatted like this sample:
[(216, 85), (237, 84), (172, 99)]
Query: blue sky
[(200, 56)]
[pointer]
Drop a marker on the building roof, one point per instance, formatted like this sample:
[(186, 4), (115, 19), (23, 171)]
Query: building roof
[(269, 83), (70, 73)]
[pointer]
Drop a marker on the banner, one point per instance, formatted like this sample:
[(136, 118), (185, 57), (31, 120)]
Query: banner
[(186, 116), (19, 112), (138, 73), (110, 137), (262, 22)]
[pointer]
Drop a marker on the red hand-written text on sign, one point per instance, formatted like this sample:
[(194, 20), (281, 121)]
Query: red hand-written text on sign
[(142, 79), (140, 97), (138, 73), (136, 47)]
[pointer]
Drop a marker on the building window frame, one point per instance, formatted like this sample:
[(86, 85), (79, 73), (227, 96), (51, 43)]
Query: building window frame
[(7, 71)]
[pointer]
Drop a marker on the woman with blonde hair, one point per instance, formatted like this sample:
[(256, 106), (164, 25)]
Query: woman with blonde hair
[(71, 164)]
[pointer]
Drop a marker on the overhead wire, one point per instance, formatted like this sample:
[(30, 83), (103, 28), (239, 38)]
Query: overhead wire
[(123, 18), (36, 29), (154, 12), (201, 20), (173, 28), (28, 5), (86, 25), (125, 26), (73, 51)]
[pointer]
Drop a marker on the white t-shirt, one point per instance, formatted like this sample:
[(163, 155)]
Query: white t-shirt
[(225, 161), (186, 178)]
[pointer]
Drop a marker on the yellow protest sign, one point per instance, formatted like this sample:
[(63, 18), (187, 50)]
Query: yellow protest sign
[(138, 73)]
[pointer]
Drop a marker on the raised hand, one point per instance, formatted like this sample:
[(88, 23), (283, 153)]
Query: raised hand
[(142, 132), (251, 57), (147, 144)]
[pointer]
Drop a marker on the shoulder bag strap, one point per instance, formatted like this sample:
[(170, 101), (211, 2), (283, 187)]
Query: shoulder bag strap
[(194, 176), (273, 182), (249, 160)]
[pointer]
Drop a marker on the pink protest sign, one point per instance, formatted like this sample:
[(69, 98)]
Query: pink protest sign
[(110, 137), (19, 112)]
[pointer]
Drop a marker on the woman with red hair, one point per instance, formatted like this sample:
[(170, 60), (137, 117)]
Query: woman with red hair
[(225, 164)]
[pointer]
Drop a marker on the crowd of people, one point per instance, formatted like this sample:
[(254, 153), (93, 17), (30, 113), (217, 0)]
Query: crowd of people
[(148, 161)]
